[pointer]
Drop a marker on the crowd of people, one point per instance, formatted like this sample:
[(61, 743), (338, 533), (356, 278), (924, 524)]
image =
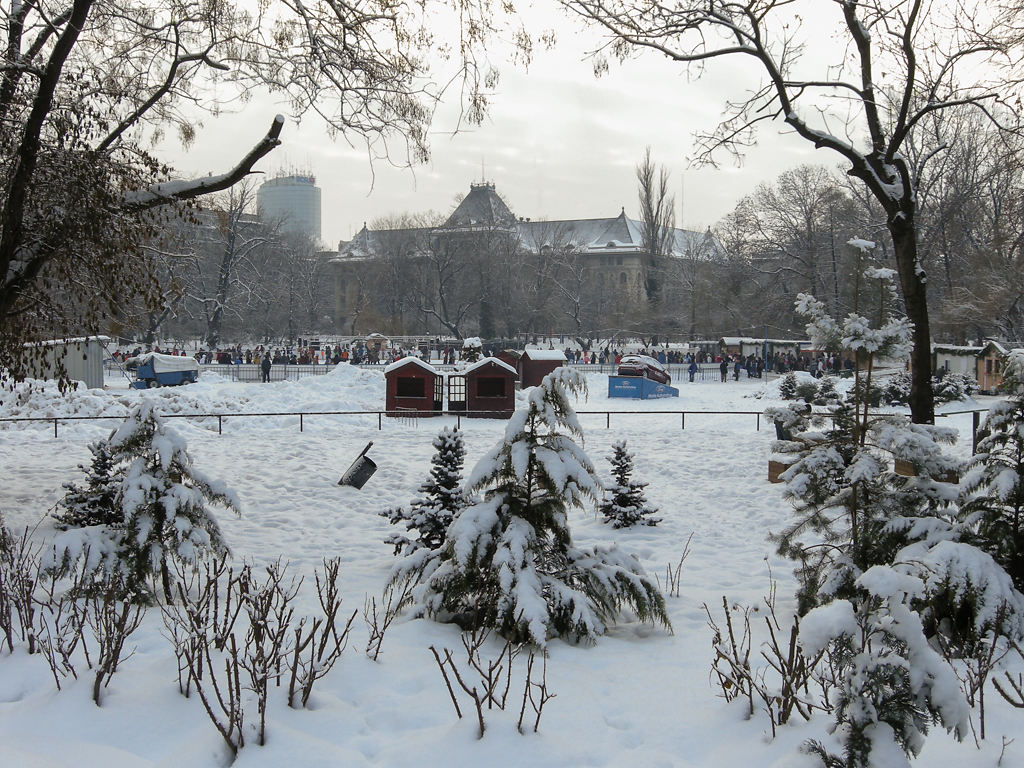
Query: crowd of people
[(357, 353)]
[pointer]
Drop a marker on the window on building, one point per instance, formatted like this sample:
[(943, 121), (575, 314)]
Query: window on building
[(491, 386), (618, 261), (622, 278), (407, 387)]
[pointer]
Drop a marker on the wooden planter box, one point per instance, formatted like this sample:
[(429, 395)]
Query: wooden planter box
[(907, 469), (775, 469)]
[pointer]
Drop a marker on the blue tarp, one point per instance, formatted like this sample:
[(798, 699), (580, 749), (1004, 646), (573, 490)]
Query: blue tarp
[(639, 388)]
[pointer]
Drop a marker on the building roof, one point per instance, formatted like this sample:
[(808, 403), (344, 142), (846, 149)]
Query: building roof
[(410, 361), (544, 354), (483, 208), (490, 361)]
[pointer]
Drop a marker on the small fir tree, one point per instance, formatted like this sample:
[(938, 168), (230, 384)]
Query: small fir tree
[(95, 502), (472, 349), (164, 498), (892, 685), (624, 504), (163, 503), (787, 387), (508, 561), (827, 392), (441, 501), (993, 488)]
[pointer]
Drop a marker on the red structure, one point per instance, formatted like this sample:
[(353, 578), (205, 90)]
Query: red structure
[(413, 385), (488, 385), (535, 364), (510, 356)]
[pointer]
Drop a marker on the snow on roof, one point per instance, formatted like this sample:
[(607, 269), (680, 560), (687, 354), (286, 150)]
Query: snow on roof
[(491, 360), (410, 361), (544, 354), (164, 363), (75, 340)]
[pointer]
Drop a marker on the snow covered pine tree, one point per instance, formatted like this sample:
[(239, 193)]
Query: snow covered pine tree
[(95, 503), (443, 500), (883, 562), (624, 504), (993, 487), (163, 502), (508, 560)]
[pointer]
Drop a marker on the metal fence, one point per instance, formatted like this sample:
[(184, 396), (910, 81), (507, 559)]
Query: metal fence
[(403, 415)]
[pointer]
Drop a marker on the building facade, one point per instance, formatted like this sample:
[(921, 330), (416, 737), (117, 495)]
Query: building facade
[(294, 201), (513, 273)]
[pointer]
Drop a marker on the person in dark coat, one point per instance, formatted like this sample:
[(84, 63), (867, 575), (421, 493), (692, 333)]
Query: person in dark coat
[(265, 368), (693, 369), (724, 368)]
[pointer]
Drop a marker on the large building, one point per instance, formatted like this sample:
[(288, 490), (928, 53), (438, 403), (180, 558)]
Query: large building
[(294, 201), (600, 264)]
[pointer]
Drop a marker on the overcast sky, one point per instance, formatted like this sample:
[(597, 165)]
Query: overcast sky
[(558, 143)]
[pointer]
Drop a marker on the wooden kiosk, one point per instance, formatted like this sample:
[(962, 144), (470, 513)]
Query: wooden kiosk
[(413, 385), (535, 364), (487, 385)]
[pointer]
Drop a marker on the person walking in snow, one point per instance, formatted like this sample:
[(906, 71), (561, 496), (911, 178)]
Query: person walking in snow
[(265, 368), (724, 368), (693, 369)]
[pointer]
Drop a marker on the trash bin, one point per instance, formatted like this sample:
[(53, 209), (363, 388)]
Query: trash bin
[(360, 471)]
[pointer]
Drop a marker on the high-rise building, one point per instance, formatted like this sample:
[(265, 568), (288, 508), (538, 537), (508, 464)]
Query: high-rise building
[(293, 200)]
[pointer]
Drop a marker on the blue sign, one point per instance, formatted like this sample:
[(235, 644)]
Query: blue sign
[(638, 388)]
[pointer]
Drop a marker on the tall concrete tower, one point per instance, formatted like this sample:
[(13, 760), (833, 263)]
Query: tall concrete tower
[(295, 201)]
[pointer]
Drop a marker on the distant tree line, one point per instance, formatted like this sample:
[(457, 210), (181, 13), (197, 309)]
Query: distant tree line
[(787, 236)]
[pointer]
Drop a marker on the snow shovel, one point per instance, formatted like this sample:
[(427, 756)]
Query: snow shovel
[(360, 471)]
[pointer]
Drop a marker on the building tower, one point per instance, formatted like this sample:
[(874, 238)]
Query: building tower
[(294, 200)]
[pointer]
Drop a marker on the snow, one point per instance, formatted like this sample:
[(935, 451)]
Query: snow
[(639, 696), (490, 361), (410, 361), (544, 354)]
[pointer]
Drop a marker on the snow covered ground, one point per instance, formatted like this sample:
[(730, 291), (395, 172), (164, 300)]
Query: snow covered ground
[(639, 697)]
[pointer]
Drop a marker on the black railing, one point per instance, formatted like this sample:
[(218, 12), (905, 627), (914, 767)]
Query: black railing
[(402, 414)]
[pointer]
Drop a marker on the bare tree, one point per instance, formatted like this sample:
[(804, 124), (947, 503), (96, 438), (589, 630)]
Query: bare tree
[(902, 63), (85, 85), (658, 220)]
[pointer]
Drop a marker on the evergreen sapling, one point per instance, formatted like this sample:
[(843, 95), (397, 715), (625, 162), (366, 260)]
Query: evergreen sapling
[(993, 488), (163, 503), (96, 502), (508, 560), (441, 502), (787, 387), (624, 504)]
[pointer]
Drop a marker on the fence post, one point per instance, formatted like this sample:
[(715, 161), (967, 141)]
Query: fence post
[(300, 422), (682, 420), (55, 428), (759, 422), (220, 424), (608, 420), (380, 421)]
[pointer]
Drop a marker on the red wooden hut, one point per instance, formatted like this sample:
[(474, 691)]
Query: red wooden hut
[(413, 385), (535, 364), (510, 356), (487, 385)]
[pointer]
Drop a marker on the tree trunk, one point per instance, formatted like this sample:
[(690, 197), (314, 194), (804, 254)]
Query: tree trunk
[(912, 282)]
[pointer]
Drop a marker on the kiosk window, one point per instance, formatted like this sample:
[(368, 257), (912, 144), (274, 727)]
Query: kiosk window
[(411, 388), (490, 387)]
